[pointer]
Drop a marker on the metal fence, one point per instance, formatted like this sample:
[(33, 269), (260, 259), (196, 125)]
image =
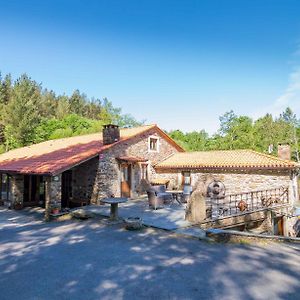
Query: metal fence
[(235, 204)]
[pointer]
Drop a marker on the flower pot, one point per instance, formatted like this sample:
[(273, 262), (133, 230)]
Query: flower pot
[(55, 211), (18, 206)]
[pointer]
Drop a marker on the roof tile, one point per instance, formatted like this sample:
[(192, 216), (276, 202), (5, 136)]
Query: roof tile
[(53, 156), (226, 159)]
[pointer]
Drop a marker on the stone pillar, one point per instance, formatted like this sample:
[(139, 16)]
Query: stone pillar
[(196, 208), (47, 198), (268, 224), (16, 190), (53, 194), (293, 189)]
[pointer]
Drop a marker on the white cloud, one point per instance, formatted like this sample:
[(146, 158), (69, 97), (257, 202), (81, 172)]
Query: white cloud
[(289, 98)]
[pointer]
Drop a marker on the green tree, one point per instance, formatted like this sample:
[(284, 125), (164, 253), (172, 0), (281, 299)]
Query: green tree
[(48, 106), (63, 107), (290, 118), (77, 103), (21, 115), (5, 96), (5, 89), (226, 121)]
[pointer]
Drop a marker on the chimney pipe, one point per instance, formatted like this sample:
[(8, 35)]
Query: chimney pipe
[(111, 134), (284, 151)]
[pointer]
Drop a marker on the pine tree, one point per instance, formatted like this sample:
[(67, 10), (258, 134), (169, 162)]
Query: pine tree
[(21, 115)]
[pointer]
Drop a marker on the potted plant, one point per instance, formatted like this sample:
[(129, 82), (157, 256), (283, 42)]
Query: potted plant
[(18, 204), (55, 209)]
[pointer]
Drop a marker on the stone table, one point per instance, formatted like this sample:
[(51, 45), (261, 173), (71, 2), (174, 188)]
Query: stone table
[(114, 202)]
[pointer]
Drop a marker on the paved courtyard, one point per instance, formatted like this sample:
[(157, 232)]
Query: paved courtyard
[(93, 260), (171, 217)]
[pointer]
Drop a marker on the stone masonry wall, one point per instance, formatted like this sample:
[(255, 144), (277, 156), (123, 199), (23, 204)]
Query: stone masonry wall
[(55, 193), (236, 182), (108, 176), (16, 189), (83, 179)]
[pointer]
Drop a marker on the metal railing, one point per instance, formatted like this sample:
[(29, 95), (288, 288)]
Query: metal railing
[(234, 204)]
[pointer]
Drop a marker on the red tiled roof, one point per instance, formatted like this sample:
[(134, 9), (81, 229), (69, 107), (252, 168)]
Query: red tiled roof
[(227, 159), (55, 156)]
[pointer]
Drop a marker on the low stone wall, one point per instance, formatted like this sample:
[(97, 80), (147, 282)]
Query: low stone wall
[(224, 236)]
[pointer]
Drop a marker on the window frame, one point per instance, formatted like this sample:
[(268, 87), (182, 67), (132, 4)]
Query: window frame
[(144, 171), (153, 137), (186, 175)]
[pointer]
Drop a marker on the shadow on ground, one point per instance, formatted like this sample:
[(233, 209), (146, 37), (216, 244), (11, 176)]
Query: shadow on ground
[(91, 260)]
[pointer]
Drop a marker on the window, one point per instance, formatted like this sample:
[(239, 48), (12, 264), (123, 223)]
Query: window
[(144, 171), (5, 186), (153, 144), (125, 173), (186, 178)]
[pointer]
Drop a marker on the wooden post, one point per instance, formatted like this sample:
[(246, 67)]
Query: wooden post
[(37, 189), (30, 188), (47, 198)]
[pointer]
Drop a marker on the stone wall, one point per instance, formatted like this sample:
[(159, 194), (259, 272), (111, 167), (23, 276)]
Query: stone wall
[(236, 182), (83, 179), (16, 189), (55, 190), (108, 180)]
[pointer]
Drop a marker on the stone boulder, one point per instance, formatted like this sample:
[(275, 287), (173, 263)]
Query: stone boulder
[(196, 207), (81, 214)]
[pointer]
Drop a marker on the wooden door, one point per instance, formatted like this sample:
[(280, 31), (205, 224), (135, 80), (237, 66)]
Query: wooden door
[(278, 226), (66, 188), (126, 180)]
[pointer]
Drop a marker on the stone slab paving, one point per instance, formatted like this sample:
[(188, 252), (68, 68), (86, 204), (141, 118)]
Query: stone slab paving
[(169, 218)]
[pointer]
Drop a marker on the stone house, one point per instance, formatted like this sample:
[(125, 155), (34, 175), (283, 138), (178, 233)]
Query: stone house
[(83, 169), (239, 170), (255, 187)]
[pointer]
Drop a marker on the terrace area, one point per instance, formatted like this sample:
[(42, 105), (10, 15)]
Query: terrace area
[(230, 207)]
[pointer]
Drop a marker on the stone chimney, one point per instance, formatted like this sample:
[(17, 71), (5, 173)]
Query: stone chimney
[(111, 134), (284, 151)]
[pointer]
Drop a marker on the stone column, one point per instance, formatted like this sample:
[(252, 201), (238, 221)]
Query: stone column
[(268, 224), (47, 198), (16, 190), (52, 194), (196, 208)]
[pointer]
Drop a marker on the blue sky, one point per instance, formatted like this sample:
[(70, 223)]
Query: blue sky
[(179, 64)]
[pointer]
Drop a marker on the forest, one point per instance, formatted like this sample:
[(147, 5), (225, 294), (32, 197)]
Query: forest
[(242, 132), (30, 113)]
